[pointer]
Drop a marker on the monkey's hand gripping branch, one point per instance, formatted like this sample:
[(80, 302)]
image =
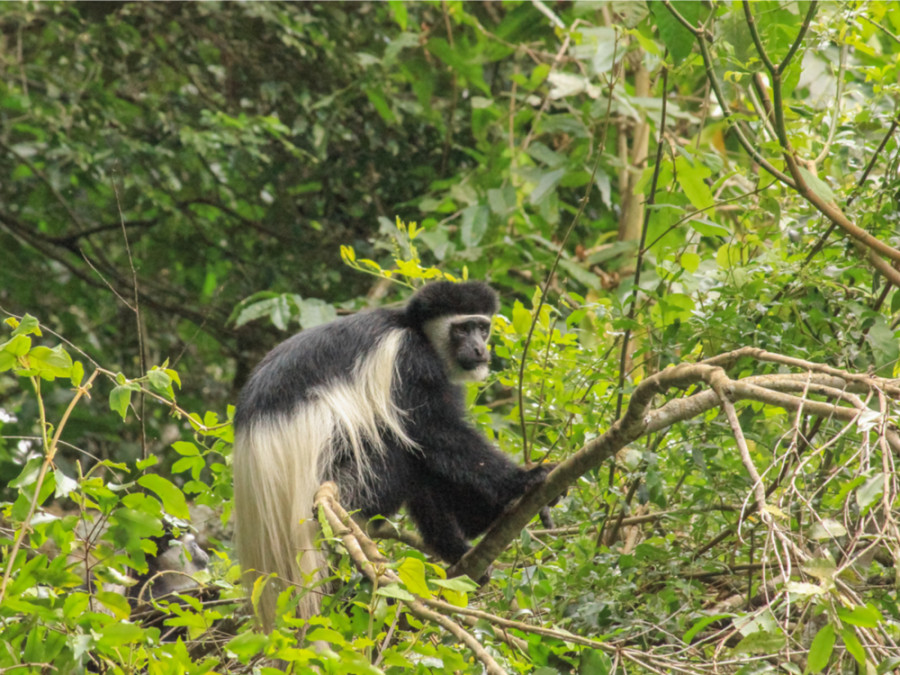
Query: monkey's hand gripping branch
[(788, 391)]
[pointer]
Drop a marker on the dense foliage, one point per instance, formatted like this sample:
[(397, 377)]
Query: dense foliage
[(689, 210)]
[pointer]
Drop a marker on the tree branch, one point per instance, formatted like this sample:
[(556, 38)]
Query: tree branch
[(639, 420)]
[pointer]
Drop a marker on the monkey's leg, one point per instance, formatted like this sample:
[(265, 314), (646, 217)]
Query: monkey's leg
[(437, 524)]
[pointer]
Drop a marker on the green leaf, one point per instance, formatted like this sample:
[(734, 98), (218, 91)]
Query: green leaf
[(701, 624), (593, 662), (458, 584), (521, 319), (76, 604), (761, 642), (870, 491), (329, 635), (159, 380), (50, 363), (115, 603), (678, 39), (854, 646), (728, 256), (474, 225), (821, 648), (828, 528), (28, 326), (547, 183), (817, 185), (185, 448), (889, 665), (20, 345), (863, 616), (884, 344), (377, 99), (77, 374), (119, 398), (412, 574), (172, 498), (397, 592), (398, 9), (691, 178), (119, 633), (690, 261)]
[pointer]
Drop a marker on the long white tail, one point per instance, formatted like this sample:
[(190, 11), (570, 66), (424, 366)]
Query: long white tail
[(276, 475), (280, 461)]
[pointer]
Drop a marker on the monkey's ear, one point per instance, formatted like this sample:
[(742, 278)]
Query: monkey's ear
[(445, 298)]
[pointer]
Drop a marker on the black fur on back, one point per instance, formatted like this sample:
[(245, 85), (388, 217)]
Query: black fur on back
[(315, 357)]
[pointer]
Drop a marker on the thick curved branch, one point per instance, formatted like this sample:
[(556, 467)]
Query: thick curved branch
[(639, 420)]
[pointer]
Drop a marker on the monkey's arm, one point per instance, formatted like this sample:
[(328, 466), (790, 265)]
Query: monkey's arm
[(456, 453)]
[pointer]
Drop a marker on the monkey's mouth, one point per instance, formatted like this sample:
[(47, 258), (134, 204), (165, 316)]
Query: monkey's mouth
[(472, 364)]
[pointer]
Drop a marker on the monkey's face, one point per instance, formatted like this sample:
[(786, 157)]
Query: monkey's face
[(462, 343)]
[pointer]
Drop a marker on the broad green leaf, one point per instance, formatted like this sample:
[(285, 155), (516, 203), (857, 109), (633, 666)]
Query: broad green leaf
[(397, 592), (412, 574), (817, 185), (870, 491), (460, 584), (247, 645), (76, 377), (50, 363), (521, 319), (821, 648), (7, 361), (171, 497), (28, 326), (119, 399), (119, 633), (591, 662), (701, 624), (690, 261), (691, 178), (547, 182), (828, 528), (678, 39), (159, 380), (20, 345), (322, 634), (864, 617), (115, 603), (761, 642), (185, 448), (728, 256), (76, 604), (380, 103), (854, 646), (884, 344)]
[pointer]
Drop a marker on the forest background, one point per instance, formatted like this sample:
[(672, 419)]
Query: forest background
[(688, 209)]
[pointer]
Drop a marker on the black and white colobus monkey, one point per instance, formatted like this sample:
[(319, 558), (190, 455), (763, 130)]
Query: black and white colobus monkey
[(371, 402)]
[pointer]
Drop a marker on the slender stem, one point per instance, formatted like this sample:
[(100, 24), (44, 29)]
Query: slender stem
[(804, 27), (700, 35), (552, 272), (49, 453), (651, 200)]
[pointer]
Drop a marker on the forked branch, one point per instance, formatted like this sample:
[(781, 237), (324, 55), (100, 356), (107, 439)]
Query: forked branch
[(789, 391)]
